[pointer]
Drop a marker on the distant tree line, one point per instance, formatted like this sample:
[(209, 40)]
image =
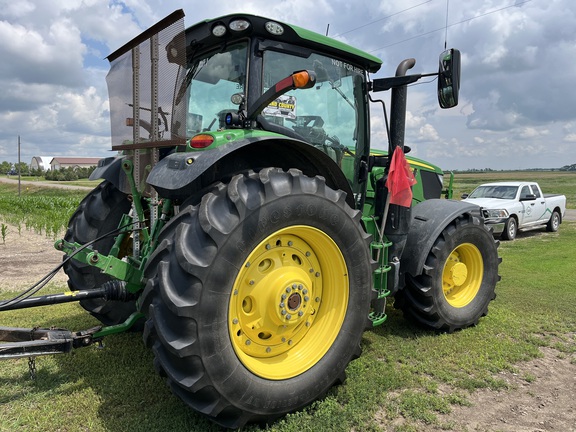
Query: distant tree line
[(69, 174), (63, 174), (489, 170)]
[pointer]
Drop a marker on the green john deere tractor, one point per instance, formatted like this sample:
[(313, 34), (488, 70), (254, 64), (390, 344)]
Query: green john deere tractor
[(247, 227)]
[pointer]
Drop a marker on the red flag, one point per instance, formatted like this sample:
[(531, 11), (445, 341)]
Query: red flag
[(400, 179)]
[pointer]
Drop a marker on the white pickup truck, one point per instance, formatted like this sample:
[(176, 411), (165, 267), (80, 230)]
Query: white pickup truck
[(512, 206)]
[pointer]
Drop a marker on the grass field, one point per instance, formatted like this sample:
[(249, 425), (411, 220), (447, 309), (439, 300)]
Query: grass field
[(399, 374)]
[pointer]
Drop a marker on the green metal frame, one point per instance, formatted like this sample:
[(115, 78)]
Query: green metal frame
[(128, 269)]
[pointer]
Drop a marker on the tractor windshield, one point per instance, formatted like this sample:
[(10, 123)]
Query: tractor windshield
[(327, 116), (209, 85)]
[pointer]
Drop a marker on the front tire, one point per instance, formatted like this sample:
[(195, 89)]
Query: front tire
[(458, 280), (258, 296), (99, 213), (510, 229)]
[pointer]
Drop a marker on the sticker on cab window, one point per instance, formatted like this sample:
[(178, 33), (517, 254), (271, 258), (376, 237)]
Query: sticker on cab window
[(284, 106)]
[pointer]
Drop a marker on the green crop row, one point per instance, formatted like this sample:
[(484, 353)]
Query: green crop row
[(45, 211)]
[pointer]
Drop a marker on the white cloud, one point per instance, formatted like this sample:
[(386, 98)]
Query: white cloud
[(517, 93)]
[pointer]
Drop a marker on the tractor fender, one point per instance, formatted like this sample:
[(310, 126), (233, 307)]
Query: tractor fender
[(179, 175), (110, 169), (430, 217)]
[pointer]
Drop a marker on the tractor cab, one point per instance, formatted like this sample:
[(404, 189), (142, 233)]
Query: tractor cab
[(227, 78)]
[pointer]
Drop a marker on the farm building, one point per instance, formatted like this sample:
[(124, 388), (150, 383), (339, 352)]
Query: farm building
[(75, 162), (41, 162)]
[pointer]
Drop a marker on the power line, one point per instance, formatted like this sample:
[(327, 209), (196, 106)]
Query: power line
[(381, 19), (451, 25)]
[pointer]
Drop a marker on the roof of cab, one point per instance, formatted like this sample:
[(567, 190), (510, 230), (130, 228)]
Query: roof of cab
[(202, 32)]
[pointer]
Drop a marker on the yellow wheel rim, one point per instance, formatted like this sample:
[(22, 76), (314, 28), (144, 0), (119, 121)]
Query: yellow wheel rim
[(288, 302), (462, 275)]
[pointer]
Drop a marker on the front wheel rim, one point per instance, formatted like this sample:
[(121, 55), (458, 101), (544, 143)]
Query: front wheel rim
[(512, 229), (288, 302), (462, 275)]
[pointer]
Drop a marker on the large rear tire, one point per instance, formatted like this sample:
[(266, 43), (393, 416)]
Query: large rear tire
[(257, 297), (98, 213), (458, 280)]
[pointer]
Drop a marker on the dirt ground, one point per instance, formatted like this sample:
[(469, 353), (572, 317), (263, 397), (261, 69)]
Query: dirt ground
[(547, 403)]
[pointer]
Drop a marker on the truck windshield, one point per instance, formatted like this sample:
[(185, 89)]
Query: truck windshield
[(501, 192)]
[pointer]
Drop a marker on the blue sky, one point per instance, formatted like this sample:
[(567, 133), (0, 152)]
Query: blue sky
[(517, 100)]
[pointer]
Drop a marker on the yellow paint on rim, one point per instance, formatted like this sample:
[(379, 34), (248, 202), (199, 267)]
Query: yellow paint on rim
[(288, 302), (462, 275)]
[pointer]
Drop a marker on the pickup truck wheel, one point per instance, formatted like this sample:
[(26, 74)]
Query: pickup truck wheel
[(554, 222), (458, 281), (510, 229), (257, 296), (98, 213)]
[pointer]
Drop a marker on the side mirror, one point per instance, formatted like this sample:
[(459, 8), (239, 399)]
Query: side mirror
[(449, 78), (464, 196), (529, 197)]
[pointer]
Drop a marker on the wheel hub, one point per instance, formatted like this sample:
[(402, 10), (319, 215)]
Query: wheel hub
[(456, 274), (278, 298), (462, 275), (294, 301), (276, 309)]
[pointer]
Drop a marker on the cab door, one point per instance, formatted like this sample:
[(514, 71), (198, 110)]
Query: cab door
[(541, 215), (529, 204)]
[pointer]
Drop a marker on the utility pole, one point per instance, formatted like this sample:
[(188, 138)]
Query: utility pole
[(18, 165)]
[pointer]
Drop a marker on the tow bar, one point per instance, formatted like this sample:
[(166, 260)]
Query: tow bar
[(30, 342), (24, 342)]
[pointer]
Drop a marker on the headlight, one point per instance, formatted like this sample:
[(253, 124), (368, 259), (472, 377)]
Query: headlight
[(495, 213)]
